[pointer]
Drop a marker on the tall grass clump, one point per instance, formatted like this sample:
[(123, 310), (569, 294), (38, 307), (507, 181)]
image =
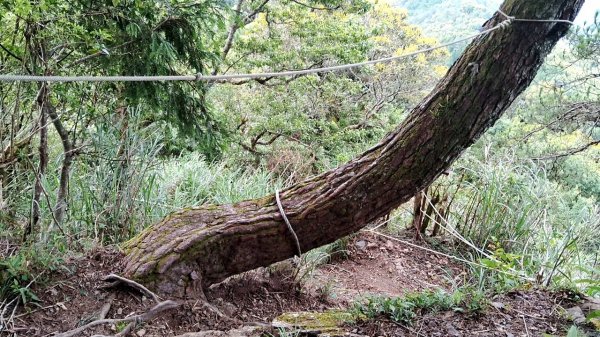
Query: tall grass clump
[(189, 181), (122, 182), (523, 222)]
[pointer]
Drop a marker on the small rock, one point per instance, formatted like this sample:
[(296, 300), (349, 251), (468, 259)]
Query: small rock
[(576, 314), (228, 309), (452, 330), (141, 333), (498, 305), (120, 311), (361, 244)]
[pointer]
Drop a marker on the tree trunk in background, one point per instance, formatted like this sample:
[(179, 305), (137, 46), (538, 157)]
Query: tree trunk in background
[(419, 206), (120, 215), (68, 154), (43, 100), (204, 245)]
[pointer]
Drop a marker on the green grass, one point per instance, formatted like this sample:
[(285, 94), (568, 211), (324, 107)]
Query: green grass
[(510, 217), (406, 308)]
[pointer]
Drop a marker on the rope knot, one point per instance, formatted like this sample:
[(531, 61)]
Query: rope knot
[(504, 24), (507, 20)]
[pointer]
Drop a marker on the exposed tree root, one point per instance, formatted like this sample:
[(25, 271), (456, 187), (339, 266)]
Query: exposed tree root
[(150, 314), (106, 308), (206, 304), (117, 280)]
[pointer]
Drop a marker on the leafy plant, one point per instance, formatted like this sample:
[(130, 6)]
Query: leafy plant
[(405, 309), (22, 269), (575, 332)]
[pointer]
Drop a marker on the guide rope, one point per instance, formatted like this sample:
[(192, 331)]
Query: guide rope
[(287, 222), (228, 77)]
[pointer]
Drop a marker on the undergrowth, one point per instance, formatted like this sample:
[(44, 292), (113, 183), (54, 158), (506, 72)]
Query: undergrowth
[(27, 266), (406, 308)]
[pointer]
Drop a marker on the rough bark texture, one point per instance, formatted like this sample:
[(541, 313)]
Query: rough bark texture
[(209, 243)]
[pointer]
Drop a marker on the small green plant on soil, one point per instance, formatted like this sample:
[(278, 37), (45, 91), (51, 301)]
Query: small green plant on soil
[(500, 272), (120, 326), (406, 308), (575, 332), (25, 267), (281, 332)]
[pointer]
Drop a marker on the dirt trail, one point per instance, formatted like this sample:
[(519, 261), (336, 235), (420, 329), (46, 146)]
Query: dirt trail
[(377, 265), (374, 265)]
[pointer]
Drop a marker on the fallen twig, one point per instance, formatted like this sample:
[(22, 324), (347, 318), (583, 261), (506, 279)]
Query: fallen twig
[(150, 314), (525, 323), (7, 323), (59, 304)]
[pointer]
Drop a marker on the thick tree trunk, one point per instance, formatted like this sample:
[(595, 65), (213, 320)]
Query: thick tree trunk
[(209, 243)]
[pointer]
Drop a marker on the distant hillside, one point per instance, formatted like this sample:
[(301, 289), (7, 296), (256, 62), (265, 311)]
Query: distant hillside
[(448, 20)]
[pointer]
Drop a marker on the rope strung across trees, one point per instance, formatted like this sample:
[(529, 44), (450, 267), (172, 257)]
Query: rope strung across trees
[(228, 77)]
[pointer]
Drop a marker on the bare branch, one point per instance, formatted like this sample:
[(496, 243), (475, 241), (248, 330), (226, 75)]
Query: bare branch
[(231, 34), (11, 53), (250, 17), (96, 54), (581, 79), (314, 7), (569, 152)]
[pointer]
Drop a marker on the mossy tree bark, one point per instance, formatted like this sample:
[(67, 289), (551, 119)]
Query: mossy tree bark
[(201, 246)]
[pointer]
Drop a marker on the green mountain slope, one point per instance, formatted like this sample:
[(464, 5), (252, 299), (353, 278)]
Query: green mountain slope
[(449, 20)]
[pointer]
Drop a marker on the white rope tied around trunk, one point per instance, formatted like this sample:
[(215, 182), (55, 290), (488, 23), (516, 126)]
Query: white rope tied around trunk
[(512, 18), (287, 222)]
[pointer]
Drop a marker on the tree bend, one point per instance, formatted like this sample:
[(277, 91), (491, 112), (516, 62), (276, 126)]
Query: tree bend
[(198, 247)]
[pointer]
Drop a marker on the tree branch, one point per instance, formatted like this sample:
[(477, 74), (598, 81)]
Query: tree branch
[(231, 34), (569, 152), (250, 17), (314, 7), (11, 53)]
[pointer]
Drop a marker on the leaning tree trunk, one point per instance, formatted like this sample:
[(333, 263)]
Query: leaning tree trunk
[(201, 246)]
